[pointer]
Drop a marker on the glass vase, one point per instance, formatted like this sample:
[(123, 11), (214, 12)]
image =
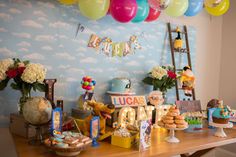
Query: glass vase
[(22, 100)]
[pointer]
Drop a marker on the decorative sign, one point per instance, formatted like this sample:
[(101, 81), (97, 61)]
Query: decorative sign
[(119, 49), (126, 116), (145, 135), (134, 101), (189, 106), (161, 110)]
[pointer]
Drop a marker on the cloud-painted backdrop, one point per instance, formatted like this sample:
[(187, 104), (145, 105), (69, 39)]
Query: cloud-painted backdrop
[(45, 32)]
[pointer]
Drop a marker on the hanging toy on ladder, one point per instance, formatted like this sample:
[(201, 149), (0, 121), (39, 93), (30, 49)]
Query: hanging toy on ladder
[(187, 80), (178, 43)]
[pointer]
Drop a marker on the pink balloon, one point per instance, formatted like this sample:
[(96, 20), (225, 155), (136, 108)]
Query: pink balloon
[(123, 10)]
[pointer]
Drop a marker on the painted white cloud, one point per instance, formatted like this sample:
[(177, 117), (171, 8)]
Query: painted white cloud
[(80, 41), (81, 49), (35, 56), (96, 70), (139, 72), (0, 40), (5, 16), (59, 24), (121, 73), (14, 11), (3, 29), (64, 66), (65, 55), (42, 19), (88, 31), (24, 44), (23, 50), (61, 46), (22, 35), (88, 60), (71, 79), (141, 56), (25, 3), (121, 27), (6, 52), (151, 62), (48, 67), (80, 54), (46, 5), (39, 13), (31, 23), (133, 63), (47, 48), (61, 36), (75, 70), (113, 60), (45, 38), (110, 31)]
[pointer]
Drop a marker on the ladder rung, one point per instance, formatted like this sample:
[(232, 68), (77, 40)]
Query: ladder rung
[(174, 31)]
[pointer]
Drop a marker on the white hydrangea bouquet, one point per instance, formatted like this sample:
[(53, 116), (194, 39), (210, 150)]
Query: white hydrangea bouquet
[(162, 78), (25, 75)]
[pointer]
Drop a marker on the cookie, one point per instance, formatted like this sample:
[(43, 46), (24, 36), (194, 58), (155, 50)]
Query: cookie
[(62, 145), (168, 117), (172, 114), (168, 121), (171, 126), (71, 140), (160, 123), (179, 117), (181, 121)]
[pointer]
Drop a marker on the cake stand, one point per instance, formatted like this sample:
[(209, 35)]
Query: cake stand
[(171, 138), (220, 128)]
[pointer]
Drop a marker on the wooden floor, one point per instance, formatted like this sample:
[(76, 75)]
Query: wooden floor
[(189, 142)]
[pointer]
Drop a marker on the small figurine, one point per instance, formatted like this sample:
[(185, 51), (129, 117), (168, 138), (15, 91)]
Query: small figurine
[(178, 43), (187, 80)]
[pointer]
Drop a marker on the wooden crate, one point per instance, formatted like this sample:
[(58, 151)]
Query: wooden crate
[(20, 127)]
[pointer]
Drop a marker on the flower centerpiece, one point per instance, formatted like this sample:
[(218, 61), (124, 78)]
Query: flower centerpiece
[(25, 75), (162, 78)]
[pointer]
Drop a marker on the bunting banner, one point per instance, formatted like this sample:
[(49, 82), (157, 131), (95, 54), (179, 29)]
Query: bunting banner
[(110, 48)]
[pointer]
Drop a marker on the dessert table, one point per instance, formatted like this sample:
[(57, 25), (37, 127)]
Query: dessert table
[(200, 143)]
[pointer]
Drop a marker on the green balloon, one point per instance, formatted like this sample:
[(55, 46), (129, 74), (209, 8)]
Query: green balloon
[(86, 83), (177, 8), (94, 9)]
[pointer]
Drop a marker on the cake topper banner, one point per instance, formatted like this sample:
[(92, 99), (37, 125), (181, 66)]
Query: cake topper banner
[(132, 101), (109, 48)]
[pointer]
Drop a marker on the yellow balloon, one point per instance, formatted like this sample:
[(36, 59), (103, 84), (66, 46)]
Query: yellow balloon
[(68, 2), (212, 3), (94, 9), (219, 9)]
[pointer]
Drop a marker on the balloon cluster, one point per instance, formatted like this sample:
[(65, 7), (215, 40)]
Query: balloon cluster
[(88, 83), (146, 10)]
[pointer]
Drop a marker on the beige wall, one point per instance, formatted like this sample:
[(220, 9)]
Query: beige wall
[(208, 50), (228, 58)]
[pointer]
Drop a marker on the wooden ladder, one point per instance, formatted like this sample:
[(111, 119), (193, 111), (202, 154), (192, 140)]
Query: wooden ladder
[(182, 50)]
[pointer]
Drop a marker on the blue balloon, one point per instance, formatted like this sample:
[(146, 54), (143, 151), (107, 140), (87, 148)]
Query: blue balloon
[(143, 11), (94, 82), (194, 7)]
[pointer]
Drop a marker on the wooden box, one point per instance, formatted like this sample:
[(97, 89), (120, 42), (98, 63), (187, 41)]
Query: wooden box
[(20, 127)]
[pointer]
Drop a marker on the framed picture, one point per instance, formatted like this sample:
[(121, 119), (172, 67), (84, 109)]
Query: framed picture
[(145, 135), (189, 106), (56, 120), (94, 130)]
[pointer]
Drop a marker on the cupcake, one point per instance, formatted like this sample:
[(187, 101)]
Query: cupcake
[(221, 115)]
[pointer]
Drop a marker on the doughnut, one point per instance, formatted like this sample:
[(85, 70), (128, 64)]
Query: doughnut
[(179, 117), (172, 114), (168, 121), (170, 125), (168, 117), (178, 121), (181, 125)]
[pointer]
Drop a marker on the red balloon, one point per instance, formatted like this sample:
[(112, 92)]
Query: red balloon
[(153, 14), (123, 10)]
